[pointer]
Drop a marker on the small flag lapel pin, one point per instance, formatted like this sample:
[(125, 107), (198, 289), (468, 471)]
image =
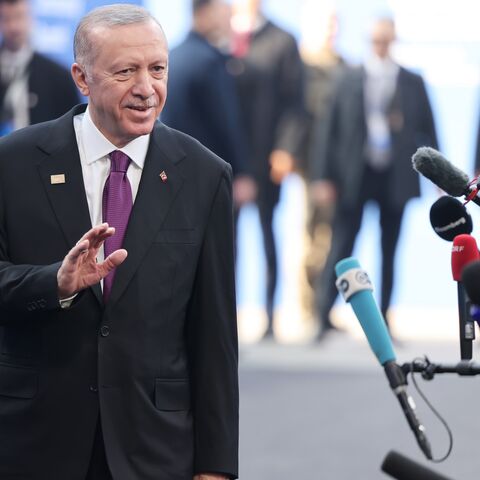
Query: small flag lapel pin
[(57, 179), (163, 176)]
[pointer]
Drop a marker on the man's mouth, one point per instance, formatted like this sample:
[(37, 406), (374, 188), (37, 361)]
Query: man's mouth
[(140, 108)]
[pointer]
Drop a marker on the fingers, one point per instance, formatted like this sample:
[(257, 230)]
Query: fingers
[(101, 237), (79, 249), (96, 236)]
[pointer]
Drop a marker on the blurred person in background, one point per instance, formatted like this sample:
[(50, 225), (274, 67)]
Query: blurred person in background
[(33, 88), (323, 67), (269, 74), (203, 99), (379, 117)]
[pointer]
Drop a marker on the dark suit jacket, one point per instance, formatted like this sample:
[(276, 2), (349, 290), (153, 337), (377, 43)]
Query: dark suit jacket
[(270, 86), (203, 100), (51, 89), (339, 154), (159, 360)]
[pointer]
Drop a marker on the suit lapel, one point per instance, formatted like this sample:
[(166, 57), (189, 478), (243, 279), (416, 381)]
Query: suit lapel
[(67, 198), (152, 204)]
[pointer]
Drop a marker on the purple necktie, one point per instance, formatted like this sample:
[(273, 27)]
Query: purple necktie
[(116, 206)]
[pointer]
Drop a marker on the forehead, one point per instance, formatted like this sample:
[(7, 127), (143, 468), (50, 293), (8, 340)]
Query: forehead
[(383, 30), (135, 38), (14, 8)]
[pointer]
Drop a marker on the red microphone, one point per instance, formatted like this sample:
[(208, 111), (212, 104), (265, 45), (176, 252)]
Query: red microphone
[(464, 252)]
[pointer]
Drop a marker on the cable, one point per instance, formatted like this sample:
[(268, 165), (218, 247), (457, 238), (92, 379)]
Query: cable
[(435, 412)]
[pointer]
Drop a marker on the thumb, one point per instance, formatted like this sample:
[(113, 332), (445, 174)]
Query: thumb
[(116, 258)]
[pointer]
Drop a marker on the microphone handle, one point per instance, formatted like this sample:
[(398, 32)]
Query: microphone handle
[(466, 325), (398, 384), (408, 407)]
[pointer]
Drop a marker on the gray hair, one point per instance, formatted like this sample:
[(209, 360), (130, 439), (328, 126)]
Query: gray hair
[(107, 16)]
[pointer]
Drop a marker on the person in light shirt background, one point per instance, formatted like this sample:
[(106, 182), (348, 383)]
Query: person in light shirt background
[(380, 115)]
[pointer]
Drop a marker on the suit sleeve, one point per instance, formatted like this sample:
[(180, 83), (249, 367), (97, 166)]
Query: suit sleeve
[(290, 128), (212, 342), (219, 99), (428, 130), (24, 289)]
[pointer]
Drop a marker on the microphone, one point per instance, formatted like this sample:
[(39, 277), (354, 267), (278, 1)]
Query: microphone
[(449, 218), (402, 468), (464, 252), (356, 288), (433, 165), (471, 283)]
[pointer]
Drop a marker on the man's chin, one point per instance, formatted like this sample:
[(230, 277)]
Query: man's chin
[(138, 129)]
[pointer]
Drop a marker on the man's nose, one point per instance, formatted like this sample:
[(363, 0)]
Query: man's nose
[(143, 86)]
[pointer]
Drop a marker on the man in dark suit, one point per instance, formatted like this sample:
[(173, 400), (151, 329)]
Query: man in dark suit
[(114, 366), (269, 75), (379, 117), (203, 99), (33, 88)]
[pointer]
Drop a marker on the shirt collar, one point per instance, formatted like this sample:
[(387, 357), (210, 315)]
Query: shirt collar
[(377, 66), (96, 146)]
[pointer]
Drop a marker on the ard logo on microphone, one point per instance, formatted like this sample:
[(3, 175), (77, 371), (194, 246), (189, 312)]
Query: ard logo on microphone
[(343, 286), (458, 248), (362, 278)]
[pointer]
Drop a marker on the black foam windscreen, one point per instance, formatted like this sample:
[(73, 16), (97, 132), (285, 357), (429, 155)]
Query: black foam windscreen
[(402, 468), (471, 281), (449, 218), (434, 166)]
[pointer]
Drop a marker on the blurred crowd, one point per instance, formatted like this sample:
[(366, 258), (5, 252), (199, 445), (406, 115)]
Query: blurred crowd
[(271, 105)]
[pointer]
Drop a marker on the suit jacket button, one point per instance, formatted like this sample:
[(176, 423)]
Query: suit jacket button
[(105, 331), (93, 389)]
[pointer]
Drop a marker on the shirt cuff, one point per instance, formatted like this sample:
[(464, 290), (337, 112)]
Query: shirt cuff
[(67, 302)]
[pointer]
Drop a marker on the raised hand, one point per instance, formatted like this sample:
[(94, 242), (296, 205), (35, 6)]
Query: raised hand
[(80, 270)]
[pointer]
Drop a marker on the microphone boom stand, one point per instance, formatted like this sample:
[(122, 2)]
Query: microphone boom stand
[(428, 369)]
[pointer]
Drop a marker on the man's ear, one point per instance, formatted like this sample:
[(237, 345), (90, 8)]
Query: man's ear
[(80, 78)]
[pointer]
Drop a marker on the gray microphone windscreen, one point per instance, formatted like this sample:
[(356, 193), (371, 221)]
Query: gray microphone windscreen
[(434, 166)]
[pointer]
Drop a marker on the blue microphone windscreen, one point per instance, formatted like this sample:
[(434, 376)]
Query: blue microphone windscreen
[(369, 316)]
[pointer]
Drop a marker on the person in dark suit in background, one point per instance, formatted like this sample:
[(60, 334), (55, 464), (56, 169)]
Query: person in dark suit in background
[(203, 98), (379, 117), (269, 74), (33, 88), (119, 345)]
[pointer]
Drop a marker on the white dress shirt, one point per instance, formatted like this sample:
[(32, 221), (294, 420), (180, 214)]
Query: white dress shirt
[(380, 85), (14, 74), (94, 148)]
